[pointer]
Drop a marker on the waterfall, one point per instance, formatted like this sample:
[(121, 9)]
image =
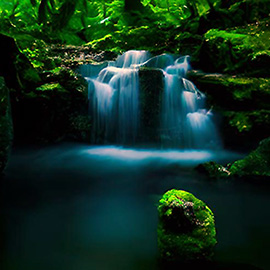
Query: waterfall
[(115, 99), (113, 91)]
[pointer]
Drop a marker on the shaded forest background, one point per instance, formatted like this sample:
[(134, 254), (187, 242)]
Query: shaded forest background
[(155, 25)]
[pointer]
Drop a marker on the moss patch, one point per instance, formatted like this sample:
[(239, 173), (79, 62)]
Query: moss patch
[(255, 165), (237, 49), (186, 229)]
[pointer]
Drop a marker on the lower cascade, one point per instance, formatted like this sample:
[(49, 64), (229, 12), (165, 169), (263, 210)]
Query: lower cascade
[(142, 99)]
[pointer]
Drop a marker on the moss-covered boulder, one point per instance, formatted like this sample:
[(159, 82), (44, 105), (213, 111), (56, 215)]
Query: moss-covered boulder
[(186, 229), (6, 130), (256, 164)]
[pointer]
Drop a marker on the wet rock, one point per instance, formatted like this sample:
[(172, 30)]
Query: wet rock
[(243, 103), (151, 90), (186, 229), (213, 170), (6, 129), (256, 164)]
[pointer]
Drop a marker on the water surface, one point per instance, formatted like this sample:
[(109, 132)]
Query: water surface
[(72, 206)]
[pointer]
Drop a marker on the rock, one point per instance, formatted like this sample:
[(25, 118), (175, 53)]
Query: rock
[(47, 113), (151, 90), (256, 164), (6, 129), (243, 102), (239, 49), (186, 229), (15, 67), (213, 170)]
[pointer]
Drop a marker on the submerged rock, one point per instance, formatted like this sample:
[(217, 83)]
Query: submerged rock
[(6, 129), (186, 229)]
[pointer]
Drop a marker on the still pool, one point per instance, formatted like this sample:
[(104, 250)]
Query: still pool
[(72, 206)]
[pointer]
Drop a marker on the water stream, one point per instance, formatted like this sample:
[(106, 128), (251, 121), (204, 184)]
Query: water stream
[(115, 100)]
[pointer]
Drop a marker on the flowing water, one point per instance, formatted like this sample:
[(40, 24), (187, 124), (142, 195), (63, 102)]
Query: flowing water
[(115, 95)]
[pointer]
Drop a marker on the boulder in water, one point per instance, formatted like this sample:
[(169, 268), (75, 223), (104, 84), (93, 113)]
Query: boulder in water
[(256, 164), (186, 229), (6, 129)]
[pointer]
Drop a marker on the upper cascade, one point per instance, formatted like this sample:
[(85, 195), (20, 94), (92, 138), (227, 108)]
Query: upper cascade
[(118, 103)]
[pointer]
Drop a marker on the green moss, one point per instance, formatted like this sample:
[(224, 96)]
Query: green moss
[(51, 87), (254, 165), (186, 229), (257, 163), (237, 49), (248, 121)]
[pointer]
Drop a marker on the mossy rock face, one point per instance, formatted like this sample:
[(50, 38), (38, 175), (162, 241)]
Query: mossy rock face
[(48, 113), (6, 130), (232, 92), (240, 49), (186, 229), (256, 164), (243, 103)]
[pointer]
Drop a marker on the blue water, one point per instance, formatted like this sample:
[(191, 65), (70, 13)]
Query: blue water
[(72, 206)]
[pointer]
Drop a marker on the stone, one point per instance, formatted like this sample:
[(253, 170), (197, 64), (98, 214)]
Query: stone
[(186, 228)]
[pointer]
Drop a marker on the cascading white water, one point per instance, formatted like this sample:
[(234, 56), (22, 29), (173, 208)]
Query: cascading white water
[(185, 121), (114, 98), (114, 102)]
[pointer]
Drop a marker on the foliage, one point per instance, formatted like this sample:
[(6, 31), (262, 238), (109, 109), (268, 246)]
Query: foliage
[(79, 21)]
